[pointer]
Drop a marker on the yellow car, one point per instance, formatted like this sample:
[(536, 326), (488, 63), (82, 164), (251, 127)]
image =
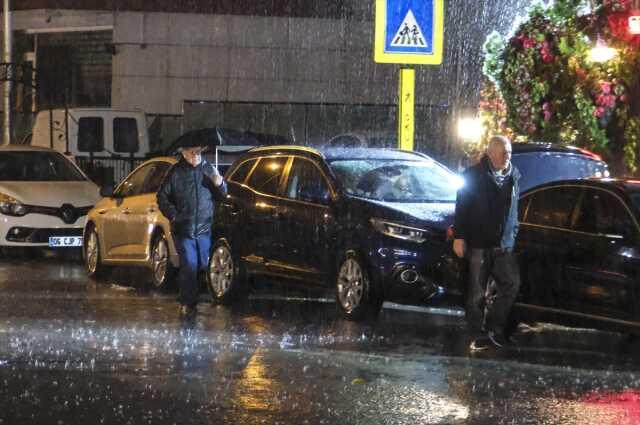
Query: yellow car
[(126, 227)]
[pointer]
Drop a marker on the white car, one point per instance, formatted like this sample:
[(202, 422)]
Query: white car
[(44, 198)]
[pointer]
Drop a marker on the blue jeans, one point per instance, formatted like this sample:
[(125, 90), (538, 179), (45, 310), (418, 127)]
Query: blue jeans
[(194, 257)]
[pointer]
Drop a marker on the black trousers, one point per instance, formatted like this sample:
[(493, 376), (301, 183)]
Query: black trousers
[(503, 267)]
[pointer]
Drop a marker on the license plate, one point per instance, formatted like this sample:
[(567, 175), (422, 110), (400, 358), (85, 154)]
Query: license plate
[(64, 241)]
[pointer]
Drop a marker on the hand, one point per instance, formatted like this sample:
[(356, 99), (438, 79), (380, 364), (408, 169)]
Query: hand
[(217, 179), (459, 247)]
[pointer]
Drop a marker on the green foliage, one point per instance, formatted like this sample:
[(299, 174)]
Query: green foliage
[(553, 92)]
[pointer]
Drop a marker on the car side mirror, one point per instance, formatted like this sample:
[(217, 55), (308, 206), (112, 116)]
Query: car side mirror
[(106, 191)]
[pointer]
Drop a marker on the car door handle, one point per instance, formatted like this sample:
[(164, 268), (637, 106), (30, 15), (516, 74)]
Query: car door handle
[(277, 216), (101, 212), (151, 210), (126, 211)]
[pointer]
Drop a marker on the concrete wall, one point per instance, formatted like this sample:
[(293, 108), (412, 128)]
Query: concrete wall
[(165, 59)]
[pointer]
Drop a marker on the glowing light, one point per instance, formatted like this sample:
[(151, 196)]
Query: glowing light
[(634, 24), (470, 129), (601, 52)]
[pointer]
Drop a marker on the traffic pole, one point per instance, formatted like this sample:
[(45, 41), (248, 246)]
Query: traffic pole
[(406, 109)]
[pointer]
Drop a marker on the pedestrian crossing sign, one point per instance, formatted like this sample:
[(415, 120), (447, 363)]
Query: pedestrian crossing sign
[(409, 31)]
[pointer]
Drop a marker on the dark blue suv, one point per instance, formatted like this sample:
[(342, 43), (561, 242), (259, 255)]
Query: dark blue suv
[(368, 224), (541, 163)]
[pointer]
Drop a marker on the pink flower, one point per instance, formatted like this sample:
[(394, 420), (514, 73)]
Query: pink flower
[(599, 111), (527, 42), (605, 86), (547, 111), (545, 51)]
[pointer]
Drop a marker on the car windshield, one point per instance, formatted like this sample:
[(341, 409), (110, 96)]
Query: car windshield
[(37, 166), (396, 180)]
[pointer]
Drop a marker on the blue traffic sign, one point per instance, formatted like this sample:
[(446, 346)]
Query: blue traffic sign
[(409, 31)]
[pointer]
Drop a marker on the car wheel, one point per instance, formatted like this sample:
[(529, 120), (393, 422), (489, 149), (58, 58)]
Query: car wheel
[(162, 271), (92, 254), (354, 292), (226, 280)]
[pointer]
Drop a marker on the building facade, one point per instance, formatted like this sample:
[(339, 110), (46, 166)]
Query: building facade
[(290, 67)]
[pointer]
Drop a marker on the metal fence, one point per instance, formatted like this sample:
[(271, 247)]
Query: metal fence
[(107, 171)]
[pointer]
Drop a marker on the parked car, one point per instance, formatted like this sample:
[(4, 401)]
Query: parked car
[(579, 251), (541, 163), (44, 198), (126, 227), (369, 224)]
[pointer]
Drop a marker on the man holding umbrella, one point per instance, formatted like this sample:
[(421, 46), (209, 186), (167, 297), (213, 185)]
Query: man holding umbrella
[(186, 198)]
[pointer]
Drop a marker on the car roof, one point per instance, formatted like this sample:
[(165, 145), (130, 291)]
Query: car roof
[(622, 184), (330, 153), (525, 147), (25, 148)]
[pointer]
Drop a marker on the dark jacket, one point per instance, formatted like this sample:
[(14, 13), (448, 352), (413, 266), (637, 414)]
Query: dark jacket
[(486, 214), (186, 198)]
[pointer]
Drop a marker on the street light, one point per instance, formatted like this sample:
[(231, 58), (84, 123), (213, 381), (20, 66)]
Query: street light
[(470, 129), (601, 52)]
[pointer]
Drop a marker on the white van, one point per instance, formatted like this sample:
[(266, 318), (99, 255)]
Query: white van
[(96, 132)]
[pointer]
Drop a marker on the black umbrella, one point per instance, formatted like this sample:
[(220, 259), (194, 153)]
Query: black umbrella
[(216, 136), (204, 138)]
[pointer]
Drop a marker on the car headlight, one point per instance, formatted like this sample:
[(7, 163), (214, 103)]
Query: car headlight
[(399, 231), (11, 206)]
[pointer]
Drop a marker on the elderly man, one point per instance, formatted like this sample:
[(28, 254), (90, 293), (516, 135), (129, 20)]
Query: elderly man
[(186, 198), (486, 225)]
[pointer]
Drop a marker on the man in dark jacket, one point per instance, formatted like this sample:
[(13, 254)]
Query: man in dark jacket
[(486, 225), (186, 198)]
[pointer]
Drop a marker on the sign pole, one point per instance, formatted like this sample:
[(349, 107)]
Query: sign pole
[(408, 32), (406, 109)]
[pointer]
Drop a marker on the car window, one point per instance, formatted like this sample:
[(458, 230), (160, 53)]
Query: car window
[(553, 206), (37, 166), (134, 184), (601, 212), (125, 135), (266, 177), (306, 182), (538, 168), (396, 180), (240, 173), (90, 134), (155, 176)]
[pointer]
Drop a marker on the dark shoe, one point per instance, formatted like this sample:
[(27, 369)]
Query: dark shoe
[(478, 344), (498, 339), (188, 310)]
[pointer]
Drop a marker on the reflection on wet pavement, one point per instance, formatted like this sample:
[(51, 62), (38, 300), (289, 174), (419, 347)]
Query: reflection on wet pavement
[(74, 351)]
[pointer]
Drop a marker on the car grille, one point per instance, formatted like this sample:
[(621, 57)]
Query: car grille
[(67, 212), (31, 235)]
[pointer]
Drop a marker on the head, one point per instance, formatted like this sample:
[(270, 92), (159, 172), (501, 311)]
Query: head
[(192, 155), (499, 152)]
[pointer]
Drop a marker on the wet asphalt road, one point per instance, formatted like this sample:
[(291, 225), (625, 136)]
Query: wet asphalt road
[(77, 352)]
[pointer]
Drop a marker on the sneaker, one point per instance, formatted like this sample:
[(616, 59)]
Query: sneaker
[(498, 339), (478, 344)]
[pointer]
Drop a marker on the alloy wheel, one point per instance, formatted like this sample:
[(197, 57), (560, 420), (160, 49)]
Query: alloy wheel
[(159, 261), (221, 271), (350, 285), (92, 252)]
